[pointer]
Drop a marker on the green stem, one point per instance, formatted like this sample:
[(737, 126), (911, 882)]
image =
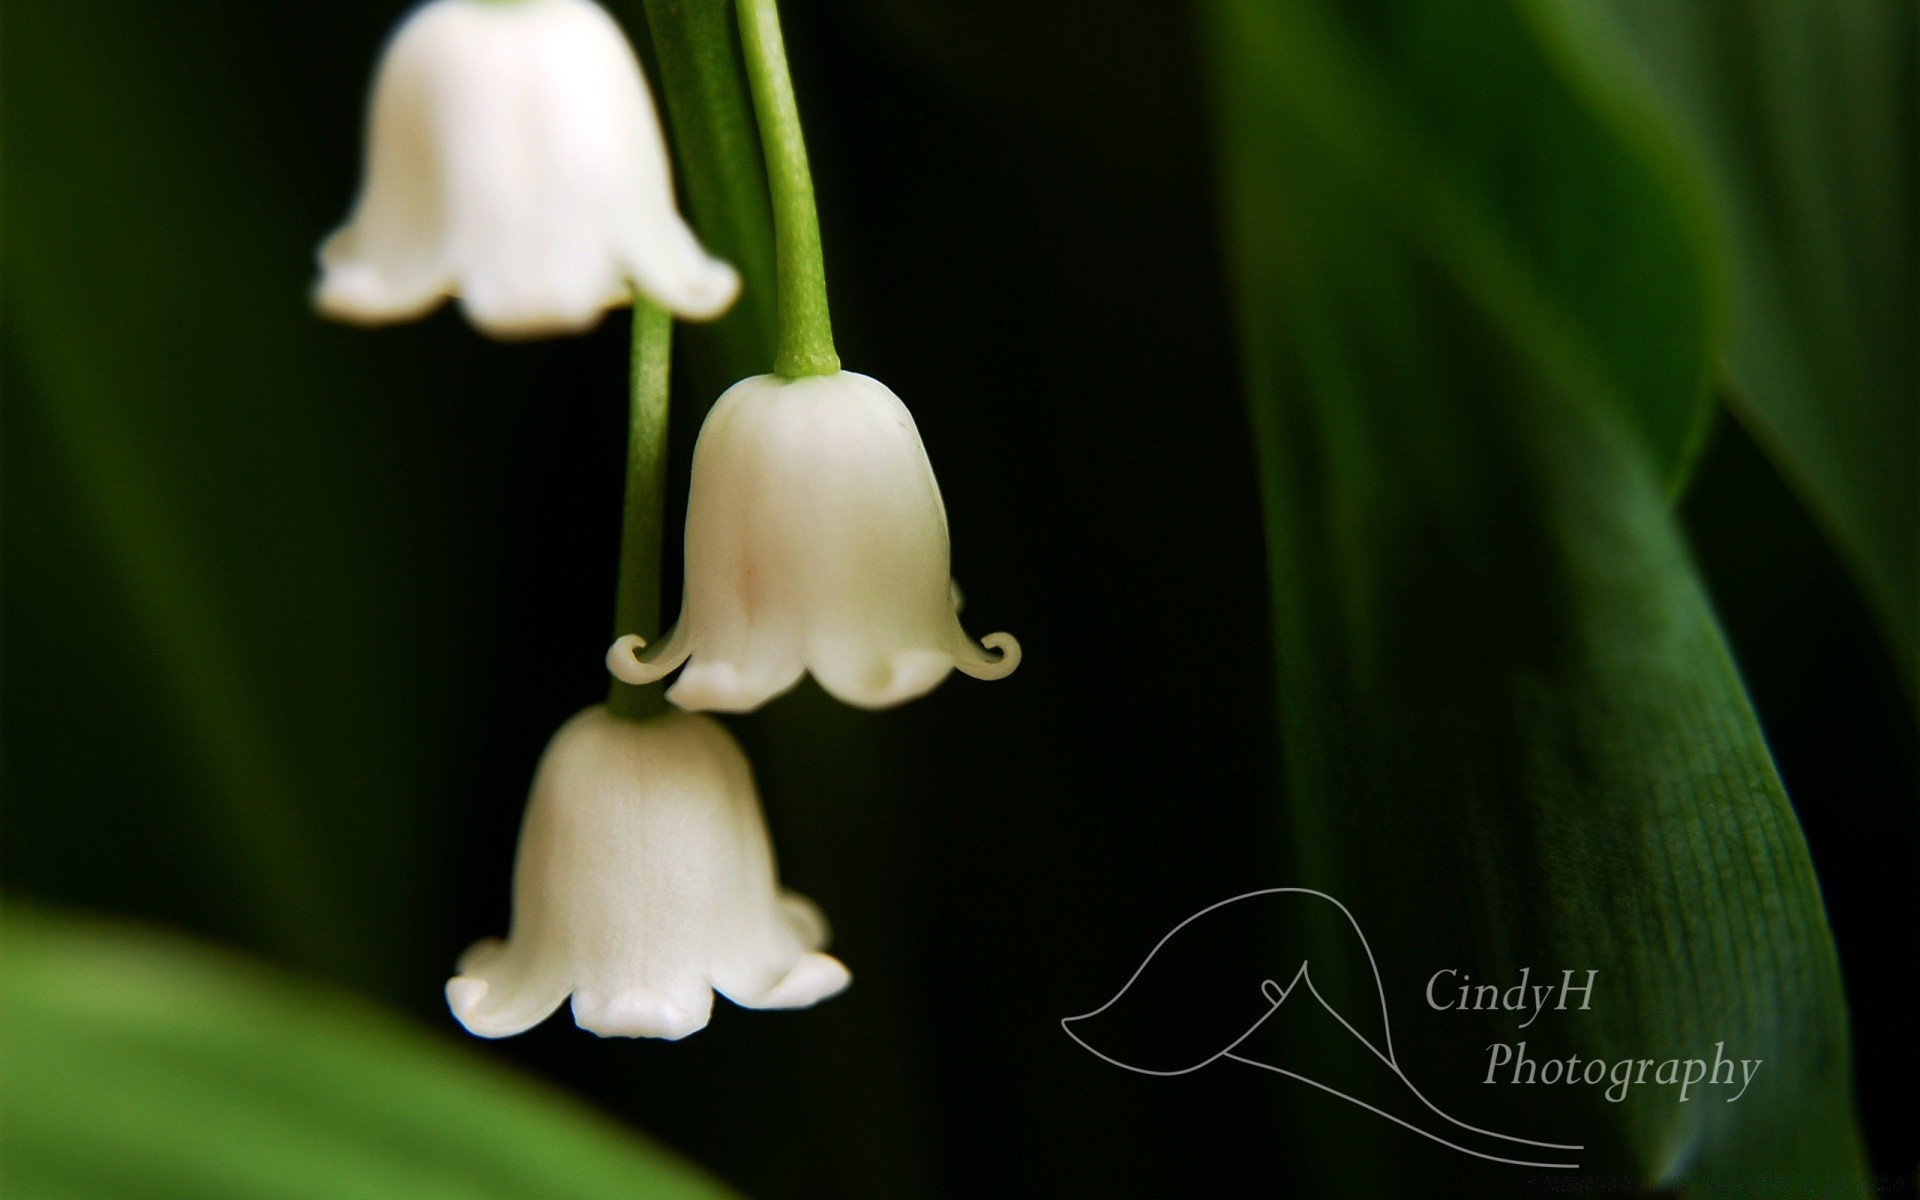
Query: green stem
[(636, 605), (805, 345)]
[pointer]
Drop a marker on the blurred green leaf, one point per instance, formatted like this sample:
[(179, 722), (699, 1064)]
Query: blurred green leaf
[(231, 468), (139, 1063), (717, 145), (1527, 205), (1513, 733), (1803, 112)]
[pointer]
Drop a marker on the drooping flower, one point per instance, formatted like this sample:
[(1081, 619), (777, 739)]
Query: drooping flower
[(816, 540), (644, 883), (514, 159)]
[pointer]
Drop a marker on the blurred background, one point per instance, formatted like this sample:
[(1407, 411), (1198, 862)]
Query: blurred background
[(291, 608)]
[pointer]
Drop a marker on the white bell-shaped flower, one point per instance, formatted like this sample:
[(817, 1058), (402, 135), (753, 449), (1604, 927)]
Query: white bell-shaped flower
[(644, 883), (514, 159), (816, 540)]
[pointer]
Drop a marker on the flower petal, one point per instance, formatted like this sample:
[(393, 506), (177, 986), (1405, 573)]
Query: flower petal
[(995, 658), (514, 158), (644, 883), (639, 1012), (817, 540), (493, 996), (814, 978), (628, 663)]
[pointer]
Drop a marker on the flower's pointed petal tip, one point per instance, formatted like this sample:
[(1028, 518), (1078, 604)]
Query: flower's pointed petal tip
[(468, 999), (666, 261), (519, 314), (629, 665), (704, 291), (806, 920), (903, 676), (479, 956), (354, 293), (464, 994), (723, 687), (531, 326), (814, 978), (981, 664), (639, 1012)]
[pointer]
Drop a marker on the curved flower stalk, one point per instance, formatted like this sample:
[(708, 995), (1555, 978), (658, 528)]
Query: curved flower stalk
[(644, 883), (514, 159), (816, 540)]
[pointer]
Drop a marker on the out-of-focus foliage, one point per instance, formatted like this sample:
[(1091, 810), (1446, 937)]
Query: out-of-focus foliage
[(1803, 114), (1476, 332), (144, 1064), (178, 413)]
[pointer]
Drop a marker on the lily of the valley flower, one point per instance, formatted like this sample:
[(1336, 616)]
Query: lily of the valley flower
[(644, 883), (514, 159), (816, 540)]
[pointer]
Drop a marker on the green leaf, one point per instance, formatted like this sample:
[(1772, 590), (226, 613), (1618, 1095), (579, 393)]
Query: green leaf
[(1803, 113), (240, 626), (141, 1063), (1476, 333), (703, 86), (1527, 205)]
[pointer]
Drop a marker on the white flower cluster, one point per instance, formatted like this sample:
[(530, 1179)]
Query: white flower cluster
[(515, 161)]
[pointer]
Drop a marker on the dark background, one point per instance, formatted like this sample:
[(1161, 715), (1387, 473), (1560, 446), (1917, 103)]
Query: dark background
[(267, 564)]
